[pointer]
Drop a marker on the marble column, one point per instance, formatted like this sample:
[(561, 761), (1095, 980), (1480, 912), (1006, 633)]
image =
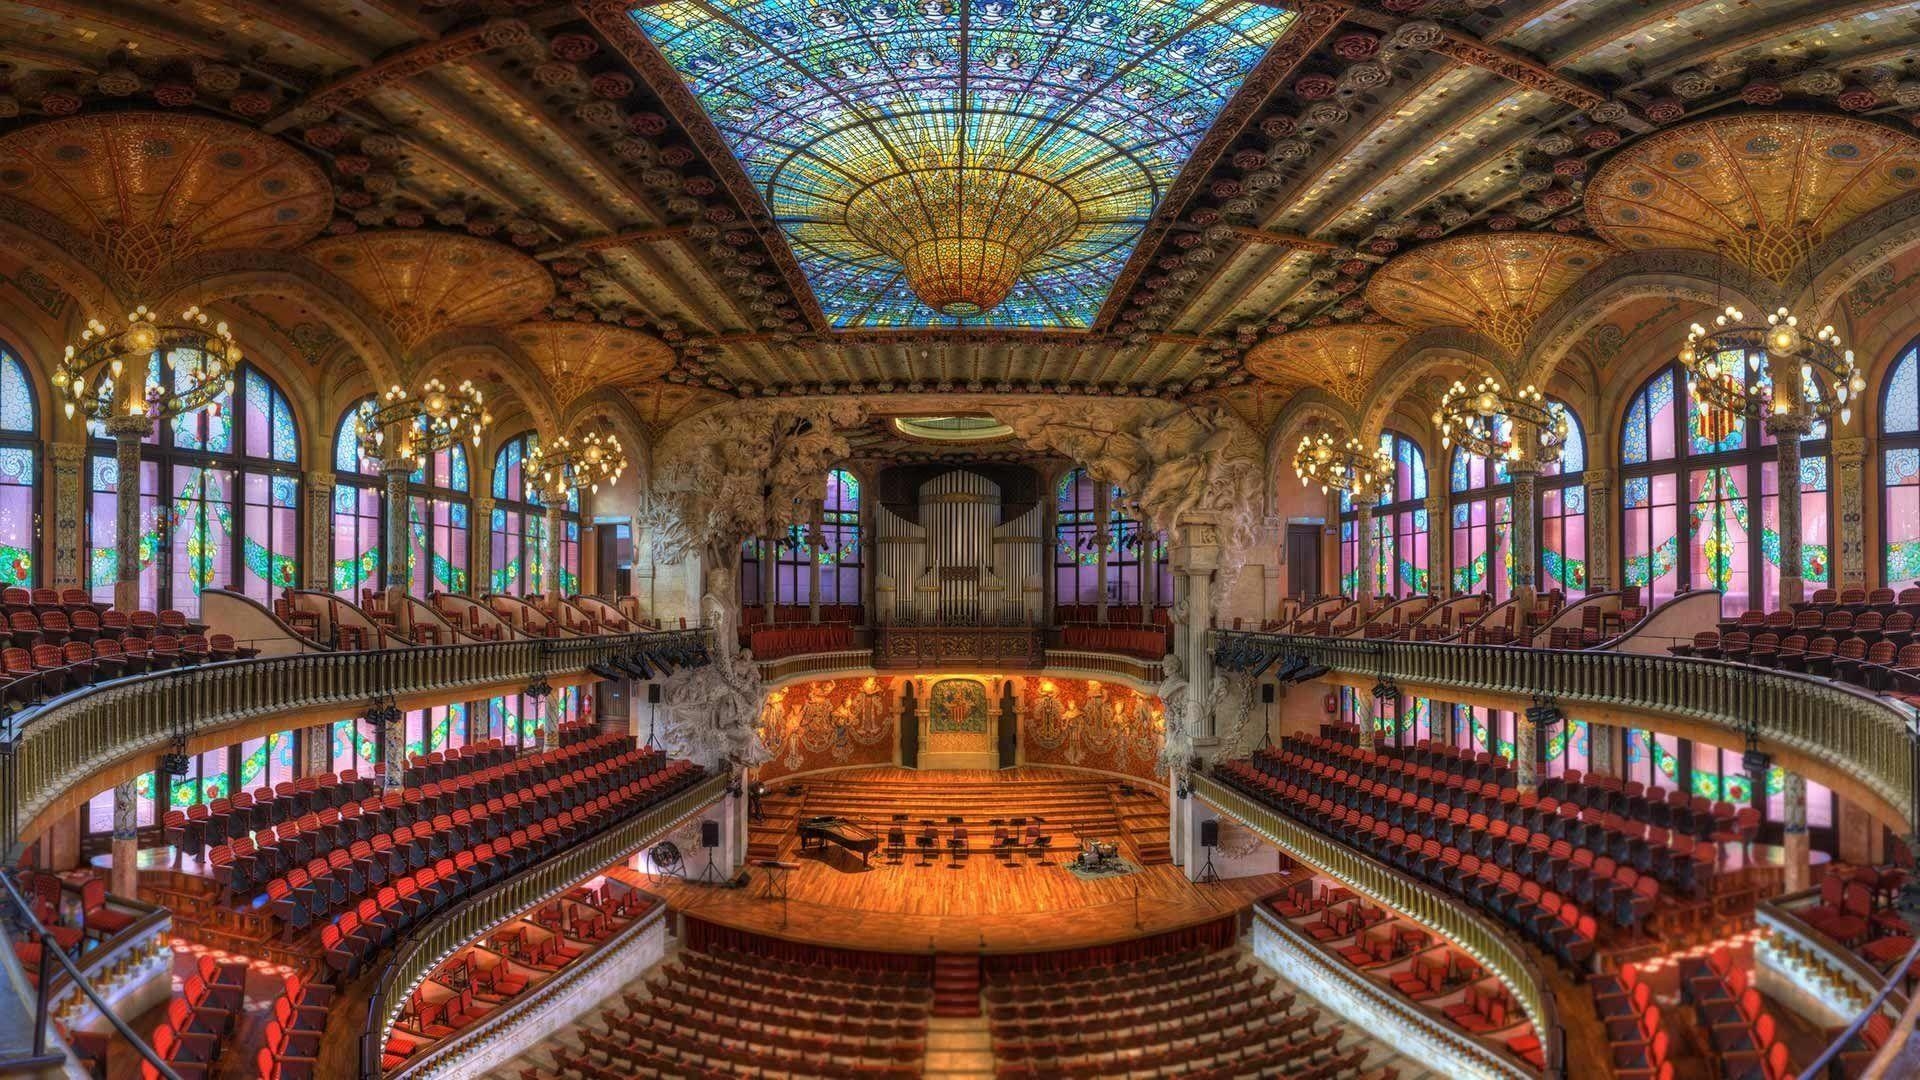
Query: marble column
[(1526, 516), (1363, 713), (319, 751), (1202, 543), (69, 511), (393, 753), (1798, 855), (127, 431), (1599, 485), (1850, 534), (550, 577), (549, 723), (124, 879), (1786, 431), (1526, 754), (1364, 556), (1603, 750), (319, 561), (398, 540)]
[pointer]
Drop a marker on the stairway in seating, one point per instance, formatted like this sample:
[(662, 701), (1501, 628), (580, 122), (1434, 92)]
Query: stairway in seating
[(780, 814), (958, 1048), (956, 985), (1143, 815)]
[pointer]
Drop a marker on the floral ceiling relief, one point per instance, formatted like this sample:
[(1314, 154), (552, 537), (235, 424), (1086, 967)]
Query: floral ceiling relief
[(1094, 725), (828, 724)]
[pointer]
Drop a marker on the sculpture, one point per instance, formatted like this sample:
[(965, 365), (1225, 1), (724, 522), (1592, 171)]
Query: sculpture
[(712, 713), (1176, 750)]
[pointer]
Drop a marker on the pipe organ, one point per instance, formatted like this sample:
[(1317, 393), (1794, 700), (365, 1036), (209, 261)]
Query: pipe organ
[(959, 545)]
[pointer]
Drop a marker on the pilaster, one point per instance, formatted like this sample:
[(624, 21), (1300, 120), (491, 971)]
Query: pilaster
[(1600, 509), (1850, 536), (319, 546), (69, 512)]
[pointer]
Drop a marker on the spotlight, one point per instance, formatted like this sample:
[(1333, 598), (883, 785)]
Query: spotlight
[(176, 764)]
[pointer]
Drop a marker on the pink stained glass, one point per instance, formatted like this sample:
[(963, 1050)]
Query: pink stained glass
[(1718, 554), (356, 540), (1650, 522), (1815, 552), (419, 555), (1563, 540)]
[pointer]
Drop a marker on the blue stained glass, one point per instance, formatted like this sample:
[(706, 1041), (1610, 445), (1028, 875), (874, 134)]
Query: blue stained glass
[(16, 394), (1573, 457), (346, 440), (843, 491), (1574, 499), (1459, 473), (1903, 395), (1813, 474), (1633, 435), (1461, 514), (1903, 466), (1637, 492), (457, 467), (1103, 99)]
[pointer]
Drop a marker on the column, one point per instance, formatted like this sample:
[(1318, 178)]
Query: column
[(1363, 716), (1202, 543), (393, 748), (542, 694), (640, 572), (1786, 431), (1599, 485), (814, 535), (1439, 547), (319, 751), (125, 877), (127, 431), (319, 571), (1178, 803), (398, 541), (769, 575), (1363, 527), (551, 577), (1799, 861), (69, 512), (1603, 750), (1850, 534), (1102, 515), (1526, 516), (480, 582), (1526, 754)]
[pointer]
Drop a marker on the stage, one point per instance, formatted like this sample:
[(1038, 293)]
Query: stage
[(981, 902)]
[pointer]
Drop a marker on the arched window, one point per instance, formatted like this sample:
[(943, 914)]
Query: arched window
[(209, 469), (520, 526), (1400, 527), (1900, 472), (1076, 540), (358, 497), (840, 558), (438, 514), (1682, 462), (19, 470), (1482, 515), (1137, 573)]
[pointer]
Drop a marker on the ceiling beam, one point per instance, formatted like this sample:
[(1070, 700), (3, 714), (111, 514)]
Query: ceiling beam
[(403, 65)]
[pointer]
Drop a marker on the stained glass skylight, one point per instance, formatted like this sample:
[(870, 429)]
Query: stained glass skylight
[(833, 106)]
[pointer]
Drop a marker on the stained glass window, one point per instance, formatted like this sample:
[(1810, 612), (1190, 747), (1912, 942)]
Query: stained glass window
[(19, 469), (438, 516), (519, 540), (841, 560), (1401, 561), (219, 498), (1076, 539), (1900, 471), (1101, 102)]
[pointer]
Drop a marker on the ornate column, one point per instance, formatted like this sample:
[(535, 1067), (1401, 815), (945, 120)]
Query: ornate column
[(69, 510), (1363, 716), (541, 695), (550, 576), (1799, 861), (319, 547), (1786, 431), (319, 751), (1439, 548), (1526, 516), (399, 541), (127, 431), (1603, 750), (1202, 542), (393, 749), (480, 582), (1526, 754), (1364, 556), (124, 880), (1599, 485), (1850, 538)]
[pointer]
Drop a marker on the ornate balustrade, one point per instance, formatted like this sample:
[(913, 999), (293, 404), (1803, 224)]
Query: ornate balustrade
[(1861, 737), (426, 948), (46, 752), (1467, 930), (1815, 965)]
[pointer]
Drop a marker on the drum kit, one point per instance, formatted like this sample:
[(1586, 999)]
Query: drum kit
[(1097, 856)]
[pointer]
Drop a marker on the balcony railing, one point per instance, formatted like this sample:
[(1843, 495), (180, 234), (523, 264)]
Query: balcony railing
[(48, 751), (1867, 738), (427, 948), (1471, 933)]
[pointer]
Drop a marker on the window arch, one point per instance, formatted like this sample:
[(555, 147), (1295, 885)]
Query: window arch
[(1678, 465), (358, 507), (1562, 492), (1400, 527), (233, 460), (841, 561), (19, 473), (1482, 516), (439, 514), (1900, 471), (519, 526)]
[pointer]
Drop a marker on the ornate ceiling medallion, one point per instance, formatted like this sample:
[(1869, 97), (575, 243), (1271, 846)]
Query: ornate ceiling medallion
[(578, 358), (1342, 360), (426, 282), (950, 164), (1763, 189), (148, 190), (1497, 284)]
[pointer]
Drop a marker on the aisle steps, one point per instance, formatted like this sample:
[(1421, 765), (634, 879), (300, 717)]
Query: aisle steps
[(959, 1048), (956, 985)]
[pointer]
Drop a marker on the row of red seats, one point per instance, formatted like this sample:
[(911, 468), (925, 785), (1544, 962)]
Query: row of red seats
[(56, 626), (1147, 642), (290, 1049), (200, 1021), (355, 936), (1637, 1037), (48, 670), (1859, 913), (98, 920), (1860, 599), (1742, 1033), (70, 600), (772, 642)]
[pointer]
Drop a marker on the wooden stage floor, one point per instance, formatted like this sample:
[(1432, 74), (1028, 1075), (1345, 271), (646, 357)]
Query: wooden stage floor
[(984, 905)]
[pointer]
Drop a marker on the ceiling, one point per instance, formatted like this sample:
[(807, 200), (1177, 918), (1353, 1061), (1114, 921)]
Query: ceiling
[(1258, 197)]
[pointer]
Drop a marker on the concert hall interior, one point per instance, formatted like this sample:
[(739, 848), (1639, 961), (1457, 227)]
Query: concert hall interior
[(975, 539)]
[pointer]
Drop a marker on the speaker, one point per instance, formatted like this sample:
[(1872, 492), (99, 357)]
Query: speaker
[(653, 693), (1210, 834), (176, 764), (709, 834), (1266, 693)]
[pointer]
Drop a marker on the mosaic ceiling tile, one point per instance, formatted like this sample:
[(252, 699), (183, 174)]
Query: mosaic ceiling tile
[(429, 282), (1099, 101), (1342, 360), (1764, 189), (1498, 284), (150, 189), (578, 358)]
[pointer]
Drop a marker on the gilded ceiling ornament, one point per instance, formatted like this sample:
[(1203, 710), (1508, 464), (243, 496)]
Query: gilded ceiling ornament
[(1497, 285), (1342, 360), (425, 283)]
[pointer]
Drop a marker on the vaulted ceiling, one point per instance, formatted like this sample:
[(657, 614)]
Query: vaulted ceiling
[(566, 132)]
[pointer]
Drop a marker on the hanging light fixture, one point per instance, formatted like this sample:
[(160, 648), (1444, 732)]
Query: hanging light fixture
[(424, 423), (1490, 421), (200, 354), (1350, 466), (571, 464), (1734, 371)]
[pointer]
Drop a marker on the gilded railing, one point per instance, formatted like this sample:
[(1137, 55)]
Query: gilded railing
[(45, 752), (1858, 734), (1472, 933), (428, 947)]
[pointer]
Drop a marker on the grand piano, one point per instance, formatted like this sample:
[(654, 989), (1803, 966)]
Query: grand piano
[(821, 831)]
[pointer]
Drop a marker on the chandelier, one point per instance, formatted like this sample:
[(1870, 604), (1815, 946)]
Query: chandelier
[(963, 231), (1491, 422), (567, 466), (1349, 467), (1731, 372), (201, 357), (423, 423)]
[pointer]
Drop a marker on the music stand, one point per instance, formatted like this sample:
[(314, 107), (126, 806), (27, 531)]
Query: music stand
[(777, 883)]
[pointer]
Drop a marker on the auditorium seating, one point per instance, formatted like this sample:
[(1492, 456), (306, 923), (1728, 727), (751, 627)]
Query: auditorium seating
[(1742, 1033), (1147, 642), (1205, 1013), (58, 642), (772, 642), (718, 1013)]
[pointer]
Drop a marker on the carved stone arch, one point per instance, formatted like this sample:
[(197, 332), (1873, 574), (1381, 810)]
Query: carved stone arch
[(60, 254), (1681, 275), (614, 407), (228, 275), (449, 356), (1850, 254), (1445, 348)]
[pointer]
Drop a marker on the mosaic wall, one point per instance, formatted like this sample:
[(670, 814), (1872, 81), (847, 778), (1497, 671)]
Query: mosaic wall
[(1091, 725), (828, 724)]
